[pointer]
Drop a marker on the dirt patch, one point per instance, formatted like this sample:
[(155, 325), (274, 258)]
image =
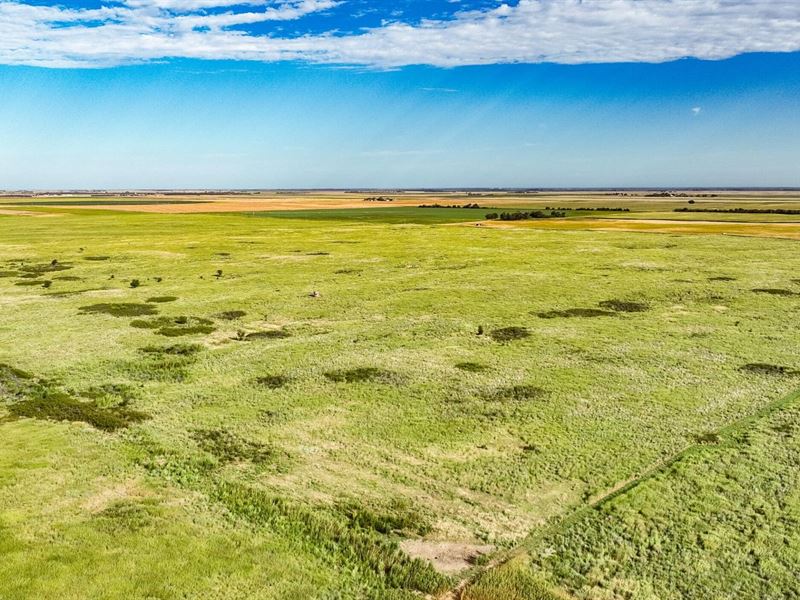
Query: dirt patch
[(508, 334), (624, 306), (446, 557), (576, 312), (363, 374), (119, 309)]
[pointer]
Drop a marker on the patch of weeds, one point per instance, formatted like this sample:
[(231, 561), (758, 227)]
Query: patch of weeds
[(228, 447), (356, 547), (576, 312), (45, 403), (135, 283), (164, 363), (363, 374), (346, 271), (230, 315), (161, 299), (471, 367), (176, 326), (13, 381), (222, 254), (29, 283), (708, 437), (68, 278), (397, 516), (9, 274), (273, 382), (119, 394), (128, 516), (173, 350), (41, 269), (119, 309), (318, 253), (766, 369), (271, 334), (775, 291), (624, 306), (722, 278), (96, 258), (508, 334), (516, 393)]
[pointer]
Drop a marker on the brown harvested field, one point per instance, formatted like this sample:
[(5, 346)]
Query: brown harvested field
[(777, 230)]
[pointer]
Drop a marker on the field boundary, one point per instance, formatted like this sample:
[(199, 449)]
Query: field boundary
[(617, 490)]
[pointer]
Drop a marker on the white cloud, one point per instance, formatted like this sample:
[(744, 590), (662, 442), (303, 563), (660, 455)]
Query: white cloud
[(560, 31), (696, 110)]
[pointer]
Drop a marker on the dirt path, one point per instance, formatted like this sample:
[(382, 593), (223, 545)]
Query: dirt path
[(617, 489)]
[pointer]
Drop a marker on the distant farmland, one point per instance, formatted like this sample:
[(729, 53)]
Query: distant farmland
[(315, 396)]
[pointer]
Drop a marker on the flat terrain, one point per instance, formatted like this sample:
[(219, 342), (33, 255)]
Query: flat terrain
[(321, 397)]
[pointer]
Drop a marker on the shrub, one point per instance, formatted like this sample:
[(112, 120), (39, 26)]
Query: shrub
[(135, 283)]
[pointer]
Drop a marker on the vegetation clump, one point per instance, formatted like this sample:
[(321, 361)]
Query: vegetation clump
[(363, 374), (41, 269), (722, 278), (775, 291), (576, 312), (362, 548), (516, 393), (508, 334), (230, 315), (270, 334), (161, 299), (272, 382), (176, 326), (624, 306), (471, 367), (397, 516), (96, 258), (8, 274), (119, 309), (228, 447), (40, 399), (766, 369)]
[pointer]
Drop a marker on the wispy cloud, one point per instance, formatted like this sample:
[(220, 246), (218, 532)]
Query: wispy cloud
[(532, 31), (696, 110)]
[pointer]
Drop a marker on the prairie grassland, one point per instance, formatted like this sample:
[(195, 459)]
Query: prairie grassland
[(264, 406)]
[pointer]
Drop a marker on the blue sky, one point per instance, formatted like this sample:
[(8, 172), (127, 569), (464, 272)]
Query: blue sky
[(319, 93)]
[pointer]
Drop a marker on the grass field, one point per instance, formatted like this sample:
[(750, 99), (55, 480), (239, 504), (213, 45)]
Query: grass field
[(273, 403)]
